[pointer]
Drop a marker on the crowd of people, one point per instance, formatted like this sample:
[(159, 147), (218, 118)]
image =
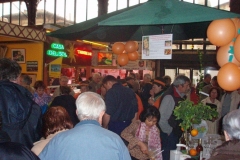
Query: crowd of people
[(110, 119)]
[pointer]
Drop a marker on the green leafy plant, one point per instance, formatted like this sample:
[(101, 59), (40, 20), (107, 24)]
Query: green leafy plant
[(193, 114)]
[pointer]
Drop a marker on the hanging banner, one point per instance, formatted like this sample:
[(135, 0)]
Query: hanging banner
[(157, 46), (55, 68)]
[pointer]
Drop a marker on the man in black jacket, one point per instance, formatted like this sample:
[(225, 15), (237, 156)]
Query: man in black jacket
[(21, 116)]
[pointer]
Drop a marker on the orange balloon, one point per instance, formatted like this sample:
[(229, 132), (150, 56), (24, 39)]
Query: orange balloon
[(136, 45), (228, 77), (130, 46), (122, 59), (236, 22), (133, 56), (237, 48), (223, 55), (221, 32), (118, 47)]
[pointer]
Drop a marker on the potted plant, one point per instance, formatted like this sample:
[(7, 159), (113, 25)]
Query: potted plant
[(193, 114)]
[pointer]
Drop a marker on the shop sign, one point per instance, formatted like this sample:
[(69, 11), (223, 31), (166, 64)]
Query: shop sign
[(57, 46), (56, 53), (84, 52), (57, 50)]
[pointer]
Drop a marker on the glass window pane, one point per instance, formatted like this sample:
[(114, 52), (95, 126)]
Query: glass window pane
[(171, 73), (190, 1), (92, 9), (133, 2), (212, 3), (6, 12), (40, 13), (211, 47), (197, 46), (143, 1), (23, 14), (1, 7), (224, 5), (184, 46), (201, 2), (81, 11), (198, 39), (190, 46), (15, 12), (69, 12), (49, 17), (60, 11), (185, 72), (112, 6), (212, 72), (176, 46), (196, 77), (122, 4)]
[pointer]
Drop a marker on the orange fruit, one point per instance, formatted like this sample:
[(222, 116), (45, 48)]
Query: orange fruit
[(182, 129), (194, 132), (192, 152)]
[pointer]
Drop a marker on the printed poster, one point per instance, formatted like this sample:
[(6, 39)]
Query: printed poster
[(157, 46), (55, 68), (32, 66)]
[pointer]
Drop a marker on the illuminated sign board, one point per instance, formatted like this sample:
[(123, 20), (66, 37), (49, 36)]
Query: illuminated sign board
[(84, 52), (57, 50), (56, 53), (57, 46)]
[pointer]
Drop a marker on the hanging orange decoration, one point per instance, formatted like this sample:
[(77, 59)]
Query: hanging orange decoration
[(223, 55), (122, 59), (130, 46), (221, 32), (237, 48), (236, 22), (228, 77), (118, 47), (136, 45), (133, 56)]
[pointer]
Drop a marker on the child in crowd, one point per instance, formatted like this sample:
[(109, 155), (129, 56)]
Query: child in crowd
[(40, 96), (144, 136)]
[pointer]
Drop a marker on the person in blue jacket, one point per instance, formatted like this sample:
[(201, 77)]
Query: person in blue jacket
[(88, 140)]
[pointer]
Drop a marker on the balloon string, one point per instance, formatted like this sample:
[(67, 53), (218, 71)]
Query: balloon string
[(231, 52)]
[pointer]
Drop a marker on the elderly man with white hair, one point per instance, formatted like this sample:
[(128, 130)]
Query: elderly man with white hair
[(87, 140), (231, 148)]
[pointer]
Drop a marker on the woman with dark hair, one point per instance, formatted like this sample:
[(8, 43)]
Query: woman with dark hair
[(40, 96), (143, 135), (156, 92), (55, 120), (212, 101), (67, 101)]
